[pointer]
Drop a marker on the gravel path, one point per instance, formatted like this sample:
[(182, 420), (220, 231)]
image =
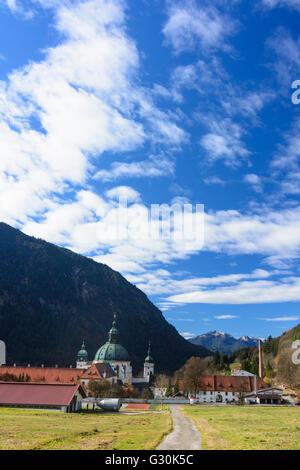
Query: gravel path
[(185, 435)]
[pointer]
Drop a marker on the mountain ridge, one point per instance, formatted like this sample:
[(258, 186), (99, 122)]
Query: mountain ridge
[(223, 342)]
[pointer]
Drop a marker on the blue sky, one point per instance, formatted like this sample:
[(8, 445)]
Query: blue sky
[(161, 102)]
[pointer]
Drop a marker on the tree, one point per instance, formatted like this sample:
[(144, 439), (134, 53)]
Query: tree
[(224, 361), (269, 370), (267, 346), (130, 391), (192, 370), (246, 365), (216, 359)]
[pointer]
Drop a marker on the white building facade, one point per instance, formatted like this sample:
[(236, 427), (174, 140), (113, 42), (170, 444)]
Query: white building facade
[(224, 388)]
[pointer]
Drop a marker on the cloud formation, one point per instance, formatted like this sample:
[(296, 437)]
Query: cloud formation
[(58, 116), (202, 26), (246, 292), (294, 4)]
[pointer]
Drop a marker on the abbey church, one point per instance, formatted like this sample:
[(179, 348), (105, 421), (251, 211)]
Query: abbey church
[(116, 358)]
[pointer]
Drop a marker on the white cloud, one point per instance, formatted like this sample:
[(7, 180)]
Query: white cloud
[(287, 51), (244, 102), (281, 3), (123, 193), (58, 116), (255, 181), (187, 335), (270, 233), (154, 166), (162, 282), (223, 142), (214, 180), (285, 164), (246, 292), (189, 26), (279, 319), (203, 75), (225, 317)]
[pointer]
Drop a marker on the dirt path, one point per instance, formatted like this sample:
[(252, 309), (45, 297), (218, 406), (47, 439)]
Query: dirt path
[(185, 435)]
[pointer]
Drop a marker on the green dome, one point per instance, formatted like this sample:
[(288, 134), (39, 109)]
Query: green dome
[(112, 352), (149, 358), (82, 354)]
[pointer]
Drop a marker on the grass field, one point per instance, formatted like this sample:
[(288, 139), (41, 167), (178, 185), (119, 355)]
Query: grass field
[(247, 428), (29, 429)]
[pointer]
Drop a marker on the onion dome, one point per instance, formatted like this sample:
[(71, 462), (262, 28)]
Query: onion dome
[(82, 355), (112, 350), (149, 358)]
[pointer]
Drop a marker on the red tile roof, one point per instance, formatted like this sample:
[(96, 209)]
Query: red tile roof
[(98, 371), (43, 374), (226, 383), (20, 393)]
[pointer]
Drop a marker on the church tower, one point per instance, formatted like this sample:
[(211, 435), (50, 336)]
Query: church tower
[(82, 358), (148, 365)]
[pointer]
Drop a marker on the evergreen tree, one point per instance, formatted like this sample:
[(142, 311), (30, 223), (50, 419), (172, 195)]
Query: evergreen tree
[(216, 359)]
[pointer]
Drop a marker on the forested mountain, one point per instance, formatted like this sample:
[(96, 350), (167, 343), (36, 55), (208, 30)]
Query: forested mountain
[(52, 298), (278, 355)]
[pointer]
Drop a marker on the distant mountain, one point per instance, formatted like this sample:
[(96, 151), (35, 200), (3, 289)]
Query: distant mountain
[(223, 342), (52, 298)]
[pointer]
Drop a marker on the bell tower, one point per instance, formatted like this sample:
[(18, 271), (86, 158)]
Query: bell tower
[(148, 365), (82, 358)]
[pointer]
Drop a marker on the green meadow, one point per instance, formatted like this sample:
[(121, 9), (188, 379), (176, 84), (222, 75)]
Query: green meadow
[(38, 430), (246, 427)]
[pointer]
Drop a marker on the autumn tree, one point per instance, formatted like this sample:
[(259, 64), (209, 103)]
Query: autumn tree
[(130, 391), (191, 371)]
